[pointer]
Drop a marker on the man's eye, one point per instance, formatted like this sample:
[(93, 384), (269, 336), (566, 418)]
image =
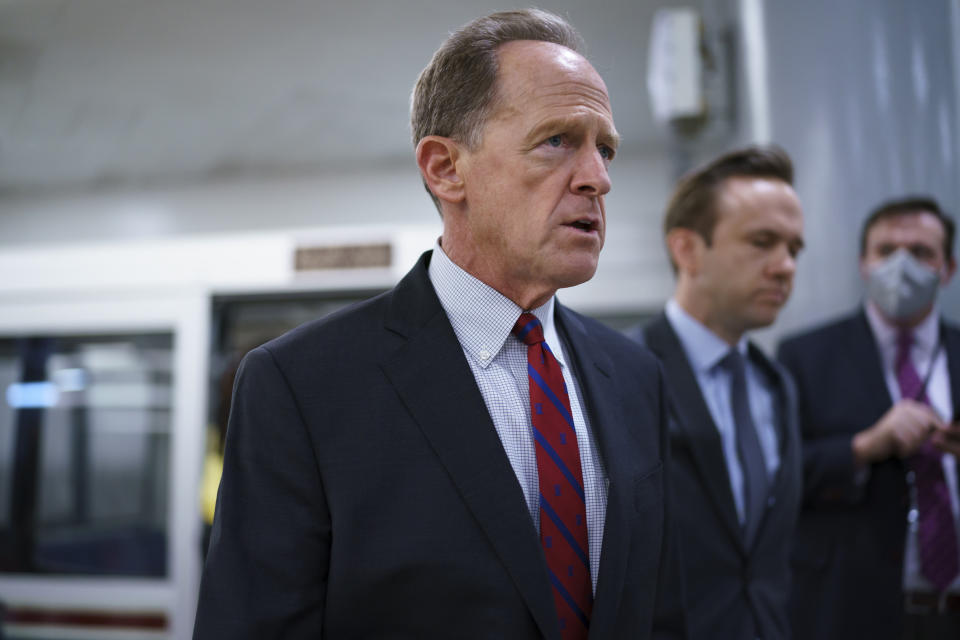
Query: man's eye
[(606, 152), (555, 141)]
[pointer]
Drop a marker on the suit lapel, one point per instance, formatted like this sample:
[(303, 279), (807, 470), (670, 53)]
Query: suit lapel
[(594, 373), (787, 429), (864, 358), (773, 375), (435, 383), (694, 421)]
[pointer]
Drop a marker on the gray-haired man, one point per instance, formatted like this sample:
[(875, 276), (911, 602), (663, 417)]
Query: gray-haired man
[(461, 457)]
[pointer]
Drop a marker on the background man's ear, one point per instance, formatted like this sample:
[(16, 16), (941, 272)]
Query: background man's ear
[(685, 247), (437, 158), (951, 268)]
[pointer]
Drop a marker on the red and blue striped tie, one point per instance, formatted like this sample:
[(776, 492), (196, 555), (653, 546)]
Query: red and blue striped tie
[(563, 519)]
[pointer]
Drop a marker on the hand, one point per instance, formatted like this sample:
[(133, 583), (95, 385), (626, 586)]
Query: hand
[(947, 439), (900, 432)]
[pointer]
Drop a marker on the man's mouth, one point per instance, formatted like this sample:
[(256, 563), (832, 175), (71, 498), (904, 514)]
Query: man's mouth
[(583, 225), (776, 295)]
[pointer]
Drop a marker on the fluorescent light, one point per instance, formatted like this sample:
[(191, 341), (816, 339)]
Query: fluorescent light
[(32, 395), (70, 379)]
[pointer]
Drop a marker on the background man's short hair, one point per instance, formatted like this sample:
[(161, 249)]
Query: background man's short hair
[(907, 206), (693, 203), (457, 91)]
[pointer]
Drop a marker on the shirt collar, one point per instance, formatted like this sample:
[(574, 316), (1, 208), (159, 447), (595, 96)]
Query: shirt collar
[(481, 316), (926, 335), (703, 347)]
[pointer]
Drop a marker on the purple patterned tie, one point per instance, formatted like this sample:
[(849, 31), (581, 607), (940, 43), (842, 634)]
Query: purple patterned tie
[(936, 533)]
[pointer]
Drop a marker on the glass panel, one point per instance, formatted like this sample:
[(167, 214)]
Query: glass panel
[(622, 321), (9, 374), (244, 322), (241, 323), (85, 426)]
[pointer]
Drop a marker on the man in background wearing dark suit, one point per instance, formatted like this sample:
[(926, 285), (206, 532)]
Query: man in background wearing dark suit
[(461, 457), (733, 231), (878, 392)]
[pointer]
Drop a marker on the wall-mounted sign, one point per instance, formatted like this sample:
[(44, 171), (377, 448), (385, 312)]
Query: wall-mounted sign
[(359, 256)]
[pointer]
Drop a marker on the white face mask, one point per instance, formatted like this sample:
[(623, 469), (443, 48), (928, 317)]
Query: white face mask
[(901, 286)]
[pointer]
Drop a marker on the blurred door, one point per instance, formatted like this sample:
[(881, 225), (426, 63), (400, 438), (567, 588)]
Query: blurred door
[(101, 414)]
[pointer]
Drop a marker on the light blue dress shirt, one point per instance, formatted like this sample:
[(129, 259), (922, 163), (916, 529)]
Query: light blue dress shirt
[(482, 318), (704, 351)]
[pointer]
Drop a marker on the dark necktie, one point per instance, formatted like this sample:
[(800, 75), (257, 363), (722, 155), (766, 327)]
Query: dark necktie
[(936, 532), (563, 519), (755, 483)]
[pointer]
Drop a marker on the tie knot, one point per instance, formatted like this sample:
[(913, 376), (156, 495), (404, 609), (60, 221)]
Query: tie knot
[(528, 329), (733, 361), (904, 340)]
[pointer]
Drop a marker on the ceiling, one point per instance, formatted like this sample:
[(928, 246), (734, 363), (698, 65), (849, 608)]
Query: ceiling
[(108, 93)]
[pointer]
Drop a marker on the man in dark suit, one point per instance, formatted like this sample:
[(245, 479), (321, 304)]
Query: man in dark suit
[(878, 390), (733, 231), (461, 457)]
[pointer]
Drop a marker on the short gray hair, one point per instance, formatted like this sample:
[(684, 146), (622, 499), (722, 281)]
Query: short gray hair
[(457, 91)]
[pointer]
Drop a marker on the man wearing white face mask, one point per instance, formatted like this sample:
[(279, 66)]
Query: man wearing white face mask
[(877, 549)]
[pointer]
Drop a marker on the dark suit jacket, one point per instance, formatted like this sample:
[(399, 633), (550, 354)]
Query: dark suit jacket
[(366, 494), (848, 559), (736, 589)]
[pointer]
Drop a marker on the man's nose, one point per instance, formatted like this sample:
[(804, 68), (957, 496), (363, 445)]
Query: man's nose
[(590, 175), (783, 263)]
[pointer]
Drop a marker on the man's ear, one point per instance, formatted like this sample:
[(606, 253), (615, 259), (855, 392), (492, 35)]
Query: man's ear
[(950, 268), (685, 247), (437, 158)]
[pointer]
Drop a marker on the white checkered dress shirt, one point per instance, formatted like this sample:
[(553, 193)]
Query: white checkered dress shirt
[(482, 319)]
